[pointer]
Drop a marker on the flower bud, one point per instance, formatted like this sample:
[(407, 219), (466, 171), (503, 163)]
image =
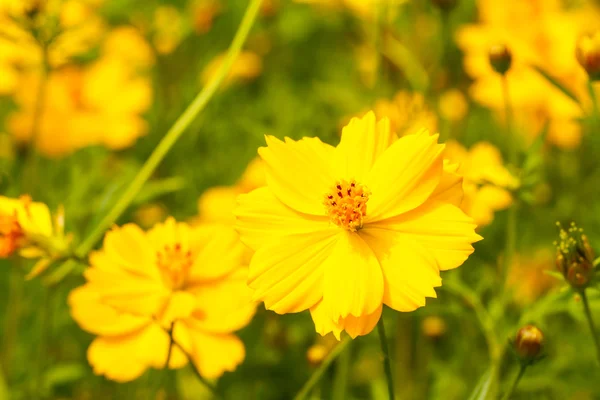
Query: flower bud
[(528, 343), (588, 54), (445, 5), (433, 327), (575, 257), (500, 58)]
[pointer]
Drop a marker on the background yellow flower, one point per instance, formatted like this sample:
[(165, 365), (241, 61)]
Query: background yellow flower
[(142, 284)]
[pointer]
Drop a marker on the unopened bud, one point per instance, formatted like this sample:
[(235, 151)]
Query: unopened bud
[(588, 54), (529, 342), (575, 257), (445, 5), (500, 58)]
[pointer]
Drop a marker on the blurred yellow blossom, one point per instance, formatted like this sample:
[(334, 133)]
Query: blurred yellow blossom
[(588, 54), (453, 105), (97, 104), (538, 33), (204, 13), (433, 327), (217, 204), (141, 284), (343, 230), (246, 67), (408, 113), (486, 183), (527, 276), (28, 228), (168, 29)]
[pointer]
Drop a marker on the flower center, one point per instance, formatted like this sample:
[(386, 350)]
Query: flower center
[(10, 234), (174, 265), (346, 204)]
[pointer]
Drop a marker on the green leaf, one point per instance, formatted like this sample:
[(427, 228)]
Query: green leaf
[(482, 390), (558, 85), (554, 274)]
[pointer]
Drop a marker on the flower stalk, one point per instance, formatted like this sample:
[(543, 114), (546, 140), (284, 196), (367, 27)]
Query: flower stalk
[(588, 315), (386, 358), (515, 382)]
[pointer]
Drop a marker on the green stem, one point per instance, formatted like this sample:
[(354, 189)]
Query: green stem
[(318, 373), (588, 314), (340, 382), (594, 101), (511, 226), (515, 382), (170, 351), (386, 358), (182, 123), (200, 378)]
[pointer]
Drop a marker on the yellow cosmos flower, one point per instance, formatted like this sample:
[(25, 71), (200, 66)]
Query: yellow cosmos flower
[(28, 228), (143, 283), (98, 104), (343, 230), (487, 183)]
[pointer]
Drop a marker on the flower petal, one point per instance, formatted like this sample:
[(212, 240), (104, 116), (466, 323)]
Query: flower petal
[(124, 358), (131, 250), (323, 322), (449, 189), (353, 283), (212, 354), (442, 229), (363, 141), (218, 251), (261, 217), (224, 306), (360, 326), (298, 172), (409, 272), (100, 319), (404, 176), (179, 306), (287, 273)]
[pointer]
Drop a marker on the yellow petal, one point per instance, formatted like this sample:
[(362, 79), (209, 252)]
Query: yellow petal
[(442, 229), (287, 273), (213, 354), (218, 251), (298, 172), (124, 358), (261, 217), (179, 306), (323, 322), (409, 272), (353, 283), (449, 190), (95, 317), (363, 325), (225, 305), (404, 176), (363, 141), (131, 250)]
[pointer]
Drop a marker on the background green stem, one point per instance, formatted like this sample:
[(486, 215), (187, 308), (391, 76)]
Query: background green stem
[(588, 314), (182, 123), (318, 373), (386, 358), (515, 382), (340, 381)]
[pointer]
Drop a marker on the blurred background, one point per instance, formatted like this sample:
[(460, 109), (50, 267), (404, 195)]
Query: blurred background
[(499, 80)]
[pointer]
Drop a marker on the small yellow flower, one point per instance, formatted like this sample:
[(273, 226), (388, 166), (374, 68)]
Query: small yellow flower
[(203, 13), (168, 29), (527, 276), (453, 105), (343, 230), (143, 283), (28, 228), (487, 183)]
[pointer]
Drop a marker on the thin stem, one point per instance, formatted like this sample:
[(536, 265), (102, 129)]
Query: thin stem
[(511, 225), (170, 345), (588, 314), (178, 128), (202, 379), (318, 373), (594, 101), (340, 381), (386, 358), (515, 382)]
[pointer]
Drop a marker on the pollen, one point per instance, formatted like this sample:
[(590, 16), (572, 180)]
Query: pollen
[(174, 264), (346, 204)]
